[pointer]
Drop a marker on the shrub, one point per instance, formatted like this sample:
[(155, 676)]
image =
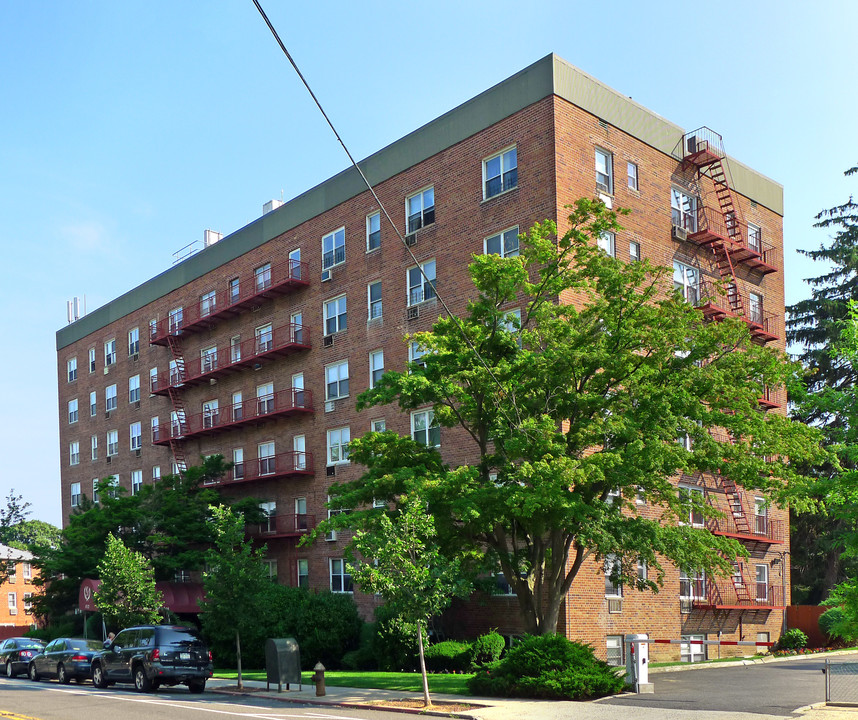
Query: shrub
[(488, 648), (830, 620), (448, 656), (792, 639), (395, 642), (548, 666), (363, 658)]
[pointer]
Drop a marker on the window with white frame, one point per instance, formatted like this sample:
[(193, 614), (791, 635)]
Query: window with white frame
[(683, 209), (755, 237), (504, 243), (11, 571), (95, 482), (134, 389), (373, 231), (512, 324), (299, 449), (135, 432), (110, 398), (109, 353), (237, 407), (174, 319), (762, 576), (112, 442), (341, 579), (303, 573), (686, 281), (502, 586), (692, 584), (378, 425), (264, 338), (233, 290), (604, 171), (28, 603), (693, 499), (207, 303), (613, 570), (373, 293), (265, 398), (74, 490), (334, 248), (153, 379), (262, 277), (420, 209), (632, 173), (73, 416), (424, 429), (337, 380), (335, 315), (421, 283), (416, 352), (376, 367), (692, 649), (642, 569), (270, 565), (93, 447), (136, 481), (211, 413), (338, 445), (238, 463), (71, 369), (92, 360), (133, 341), (176, 374), (156, 473), (607, 243), (235, 348), (269, 514), (614, 648), (265, 454), (298, 395), (500, 172), (208, 359), (27, 571), (74, 453), (13, 603), (301, 513), (634, 251), (755, 309)]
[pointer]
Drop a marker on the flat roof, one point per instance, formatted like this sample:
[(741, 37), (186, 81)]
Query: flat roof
[(549, 76)]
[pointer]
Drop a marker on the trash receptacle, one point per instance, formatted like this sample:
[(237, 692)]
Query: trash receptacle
[(282, 663)]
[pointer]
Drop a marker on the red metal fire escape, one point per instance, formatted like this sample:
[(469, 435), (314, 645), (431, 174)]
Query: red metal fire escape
[(175, 393)]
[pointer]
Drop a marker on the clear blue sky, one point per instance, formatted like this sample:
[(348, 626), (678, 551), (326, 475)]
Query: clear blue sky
[(127, 128)]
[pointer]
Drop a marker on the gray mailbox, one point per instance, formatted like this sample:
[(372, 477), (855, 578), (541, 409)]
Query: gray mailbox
[(282, 663)]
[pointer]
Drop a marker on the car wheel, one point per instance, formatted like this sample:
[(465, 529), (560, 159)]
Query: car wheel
[(196, 686), (10, 671), (98, 678), (33, 673), (62, 675), (141, 680)]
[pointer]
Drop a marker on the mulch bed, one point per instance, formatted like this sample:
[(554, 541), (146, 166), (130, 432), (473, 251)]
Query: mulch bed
[(418, 704)]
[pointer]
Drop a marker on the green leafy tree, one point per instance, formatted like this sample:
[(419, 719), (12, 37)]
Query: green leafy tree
[(11, 517), (34, 535), (235, 581), (401, 561), (573, 412), (127, 594)]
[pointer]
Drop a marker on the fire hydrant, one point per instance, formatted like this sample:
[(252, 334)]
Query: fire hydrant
[(319, 679)]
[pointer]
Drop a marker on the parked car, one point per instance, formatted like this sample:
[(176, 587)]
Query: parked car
[(16, 653), (64, 659), (154, 655)]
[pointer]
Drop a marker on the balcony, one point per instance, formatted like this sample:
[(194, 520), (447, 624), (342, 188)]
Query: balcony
[(294, 401), (761, 528), (702, 147), (226, 359), (279, 526), (749, 596), (282, 465), (711, 229), (219, 304), (716, 304), (773, 398)]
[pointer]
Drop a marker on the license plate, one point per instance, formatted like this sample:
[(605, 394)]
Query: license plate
[(184, 656)]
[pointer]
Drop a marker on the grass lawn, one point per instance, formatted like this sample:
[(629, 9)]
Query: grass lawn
[(454, 684)]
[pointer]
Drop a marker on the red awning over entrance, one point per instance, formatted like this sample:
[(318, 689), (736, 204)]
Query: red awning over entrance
[(178, 597)]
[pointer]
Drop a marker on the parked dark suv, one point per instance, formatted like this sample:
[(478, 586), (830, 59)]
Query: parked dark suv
[(154, 655)]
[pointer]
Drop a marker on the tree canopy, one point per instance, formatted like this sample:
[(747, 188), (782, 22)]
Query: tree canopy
[(127, 595)]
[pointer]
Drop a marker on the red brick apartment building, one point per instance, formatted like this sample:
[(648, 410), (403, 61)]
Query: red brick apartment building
[(257, 346), (16, 615)]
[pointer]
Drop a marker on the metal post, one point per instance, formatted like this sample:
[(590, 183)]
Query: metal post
[(827, 680)]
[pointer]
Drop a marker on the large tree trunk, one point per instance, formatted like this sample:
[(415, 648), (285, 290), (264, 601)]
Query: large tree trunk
[(238, 657), (426, 701)]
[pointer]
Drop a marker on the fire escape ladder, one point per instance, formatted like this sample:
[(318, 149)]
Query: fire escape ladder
[(178, 403), (737, 507), (740, 583), (732, 223)]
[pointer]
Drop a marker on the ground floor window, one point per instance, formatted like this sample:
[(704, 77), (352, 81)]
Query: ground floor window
[(692, 648), (615, 650)]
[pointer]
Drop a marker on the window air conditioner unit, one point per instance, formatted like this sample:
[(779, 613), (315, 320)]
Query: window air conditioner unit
[(326, 275), (691, 144), (411, 239), (615, 605), (601, 187), (678, 233), (331, 470), (136, 404), (413, 313), (331, 536), (138, 453), (135, 357), (329, 341), (107, 414), (329, 406), (109, 459)]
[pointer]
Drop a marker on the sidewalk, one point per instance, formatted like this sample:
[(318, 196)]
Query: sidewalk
[(507, 709)]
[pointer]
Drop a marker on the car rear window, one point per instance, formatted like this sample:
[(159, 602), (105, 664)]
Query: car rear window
[(30, 644), (85, 645), (177, 636)]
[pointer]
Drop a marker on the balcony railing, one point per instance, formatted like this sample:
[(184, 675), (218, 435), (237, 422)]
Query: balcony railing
[(773, 398), (711, 228), (282, 526), (284, 340), (750, 596), (285, 464), (760, 528), (717, 304), (216, 420), (702, 147), (225, 302)]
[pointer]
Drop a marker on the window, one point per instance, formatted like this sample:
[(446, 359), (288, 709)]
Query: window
[(299, 448), (153, 379), (134, 389), (761, 516), (234, 290), (505, 243), (182, 576), (265, 399), (692, 585), (28, 604), (13, 603), (607, 243), (211, 413), (238, 464), (421, 282), (297, 322), (512, 324), (632, 173), (136, 433), (74, 453), (133, 341), (614, 645), (341, 580), (110, 398), (378, 425), (208, 302), (75, 494), (420, 209), (416, 353), (71, 368), (373, 291), (634, 251), (264, 338), (762, 574), (208, 359), (334, 248), (262, 277), (298, 395), (93, 447), (301, 513), (112, 442), (755, 302), (237, 406), (136, 481), (683, 210), (338, 445), (502, 585), (92, 360), (604, 171), (270, 566), (109, 353), (303, 568), (373, 231), (500, 173), (93, 404), (267, 461), (156, 473), (12, 571), (174, 319), (642, 569), (613, 584), (235, 348), (693, 499), (686, 280), (95, 482), (176, 375), (755, 237), (692, 648), (376, 367), (73, 411), (27, 571), (335, 315), (424, 429), (337, 380)]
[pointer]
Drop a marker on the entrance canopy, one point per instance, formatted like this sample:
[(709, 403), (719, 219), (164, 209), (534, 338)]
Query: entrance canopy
[(178, 597)]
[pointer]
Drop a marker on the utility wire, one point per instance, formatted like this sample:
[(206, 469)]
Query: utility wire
[(387, 215)]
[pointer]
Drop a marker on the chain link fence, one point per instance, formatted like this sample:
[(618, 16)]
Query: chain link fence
[(841, 683)]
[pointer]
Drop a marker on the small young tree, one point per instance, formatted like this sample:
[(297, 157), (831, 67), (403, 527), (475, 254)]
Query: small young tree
[(234, 582), (127, 594), (401, 561)]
